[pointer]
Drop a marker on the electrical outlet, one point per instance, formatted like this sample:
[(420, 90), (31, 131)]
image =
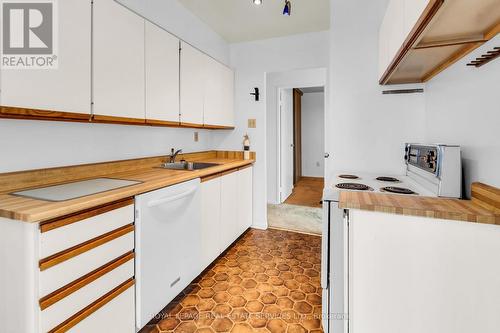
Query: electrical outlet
[(196, 137), (252, 123)]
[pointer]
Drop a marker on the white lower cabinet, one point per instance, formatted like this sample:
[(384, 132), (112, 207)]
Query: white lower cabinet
[(227, 211), (245, 199), (116, 316), (65, 278), (210, 224)]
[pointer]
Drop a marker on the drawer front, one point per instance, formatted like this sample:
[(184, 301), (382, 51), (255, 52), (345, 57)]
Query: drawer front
[(73, 303), (74, 268), (61, 238), (116, 316)]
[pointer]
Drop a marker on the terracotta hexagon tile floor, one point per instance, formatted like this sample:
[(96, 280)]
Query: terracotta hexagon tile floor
[(267, 281)]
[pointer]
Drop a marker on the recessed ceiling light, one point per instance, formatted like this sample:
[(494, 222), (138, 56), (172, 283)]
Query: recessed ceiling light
[(257, 2), (287, 10)]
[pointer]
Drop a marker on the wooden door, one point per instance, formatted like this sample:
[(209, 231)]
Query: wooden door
[(297, 135), (118, 60), (162, 75)]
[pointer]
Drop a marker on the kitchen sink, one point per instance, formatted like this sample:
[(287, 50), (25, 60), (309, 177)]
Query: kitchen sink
[(191, 166)]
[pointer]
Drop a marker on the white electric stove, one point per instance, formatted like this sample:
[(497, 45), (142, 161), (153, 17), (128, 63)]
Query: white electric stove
[(431, 170)]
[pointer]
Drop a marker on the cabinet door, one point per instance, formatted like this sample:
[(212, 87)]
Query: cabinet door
[(413, 9), (219, 91), (210, 221), (395, 28), (229, 209), (162, 75), (66, 88), (118, 50), (193, 64), (245, 200)]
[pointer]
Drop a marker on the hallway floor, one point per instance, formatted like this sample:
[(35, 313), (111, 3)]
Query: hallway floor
[(307, 192), (268, 281)]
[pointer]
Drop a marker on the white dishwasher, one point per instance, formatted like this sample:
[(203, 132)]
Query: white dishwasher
[(168, 250)]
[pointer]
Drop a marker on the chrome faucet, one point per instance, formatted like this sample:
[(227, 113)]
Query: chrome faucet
[(173, 155)]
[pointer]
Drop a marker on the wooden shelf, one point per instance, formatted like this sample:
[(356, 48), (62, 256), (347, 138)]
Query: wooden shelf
[(446, 32)]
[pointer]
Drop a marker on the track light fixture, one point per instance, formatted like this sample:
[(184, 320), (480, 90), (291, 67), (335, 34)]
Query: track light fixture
[(287, 10), (257, 2)]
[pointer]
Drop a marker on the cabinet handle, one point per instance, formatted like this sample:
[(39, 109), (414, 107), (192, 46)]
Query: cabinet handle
[(163, 201)]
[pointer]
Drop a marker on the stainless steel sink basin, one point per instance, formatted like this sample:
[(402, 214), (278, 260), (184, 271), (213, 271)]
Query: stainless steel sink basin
[(191, 166)]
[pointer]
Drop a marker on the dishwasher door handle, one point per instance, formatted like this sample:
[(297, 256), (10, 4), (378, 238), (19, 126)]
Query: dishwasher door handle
[(158, 202)]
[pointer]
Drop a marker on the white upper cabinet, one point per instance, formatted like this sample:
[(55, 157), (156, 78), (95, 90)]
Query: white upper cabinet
[(219, 95), (118, 50), (193, 64), (162, 75), (66, 88), (413, 9)]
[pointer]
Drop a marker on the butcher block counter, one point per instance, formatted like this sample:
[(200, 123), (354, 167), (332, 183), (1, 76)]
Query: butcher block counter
[(144, 170), (484, 207)]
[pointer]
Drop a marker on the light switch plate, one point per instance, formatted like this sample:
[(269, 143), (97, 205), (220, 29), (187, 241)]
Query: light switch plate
[(196, 137), (252, 123)]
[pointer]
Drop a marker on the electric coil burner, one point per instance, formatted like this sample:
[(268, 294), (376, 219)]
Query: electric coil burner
[(354, 186), (388, 179), (397, 190), (348, 176)]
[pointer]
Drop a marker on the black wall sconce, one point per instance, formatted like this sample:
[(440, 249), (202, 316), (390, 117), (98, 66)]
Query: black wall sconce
[(256, 94)]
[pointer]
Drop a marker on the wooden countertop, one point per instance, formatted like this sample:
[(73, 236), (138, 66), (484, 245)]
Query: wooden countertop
[(483, 208), (144, 170)]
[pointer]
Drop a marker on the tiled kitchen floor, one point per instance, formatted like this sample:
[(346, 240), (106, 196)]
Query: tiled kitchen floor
[(268, 281)]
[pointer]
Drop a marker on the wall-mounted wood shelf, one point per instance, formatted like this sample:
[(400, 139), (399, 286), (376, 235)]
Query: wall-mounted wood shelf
[(446, 32), (8, 112)]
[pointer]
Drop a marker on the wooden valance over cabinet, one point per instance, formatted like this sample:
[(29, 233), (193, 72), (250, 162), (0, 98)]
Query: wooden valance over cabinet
[(421, 38)]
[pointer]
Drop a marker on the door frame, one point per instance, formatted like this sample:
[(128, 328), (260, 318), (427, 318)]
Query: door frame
[(297, 135), (310, 77)]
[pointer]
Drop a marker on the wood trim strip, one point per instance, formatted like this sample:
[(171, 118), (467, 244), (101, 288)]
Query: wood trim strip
[(245, 167), (11, 112), (84, 247), (85, 280), (117, 120), (422, 23), (89, 310), (25, 113), (486, 196), (208, 178), (83, 215), (164, 123), (227, 172), (190, 125), (219, 127)]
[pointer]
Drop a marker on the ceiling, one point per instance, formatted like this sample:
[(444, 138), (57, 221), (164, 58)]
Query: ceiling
[(241, 20)]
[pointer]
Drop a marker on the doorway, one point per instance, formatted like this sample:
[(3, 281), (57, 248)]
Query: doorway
[(301, 160)]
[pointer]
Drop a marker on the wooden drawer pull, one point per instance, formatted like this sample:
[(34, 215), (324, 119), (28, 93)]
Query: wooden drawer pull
[(87, 311), (84, 247), (74, 286), (73, 218)]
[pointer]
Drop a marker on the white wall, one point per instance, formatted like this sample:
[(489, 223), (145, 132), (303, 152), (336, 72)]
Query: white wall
[(176, 19), (26, 144), (251, 61), (313, 134), (462, 107), (365, 130)]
